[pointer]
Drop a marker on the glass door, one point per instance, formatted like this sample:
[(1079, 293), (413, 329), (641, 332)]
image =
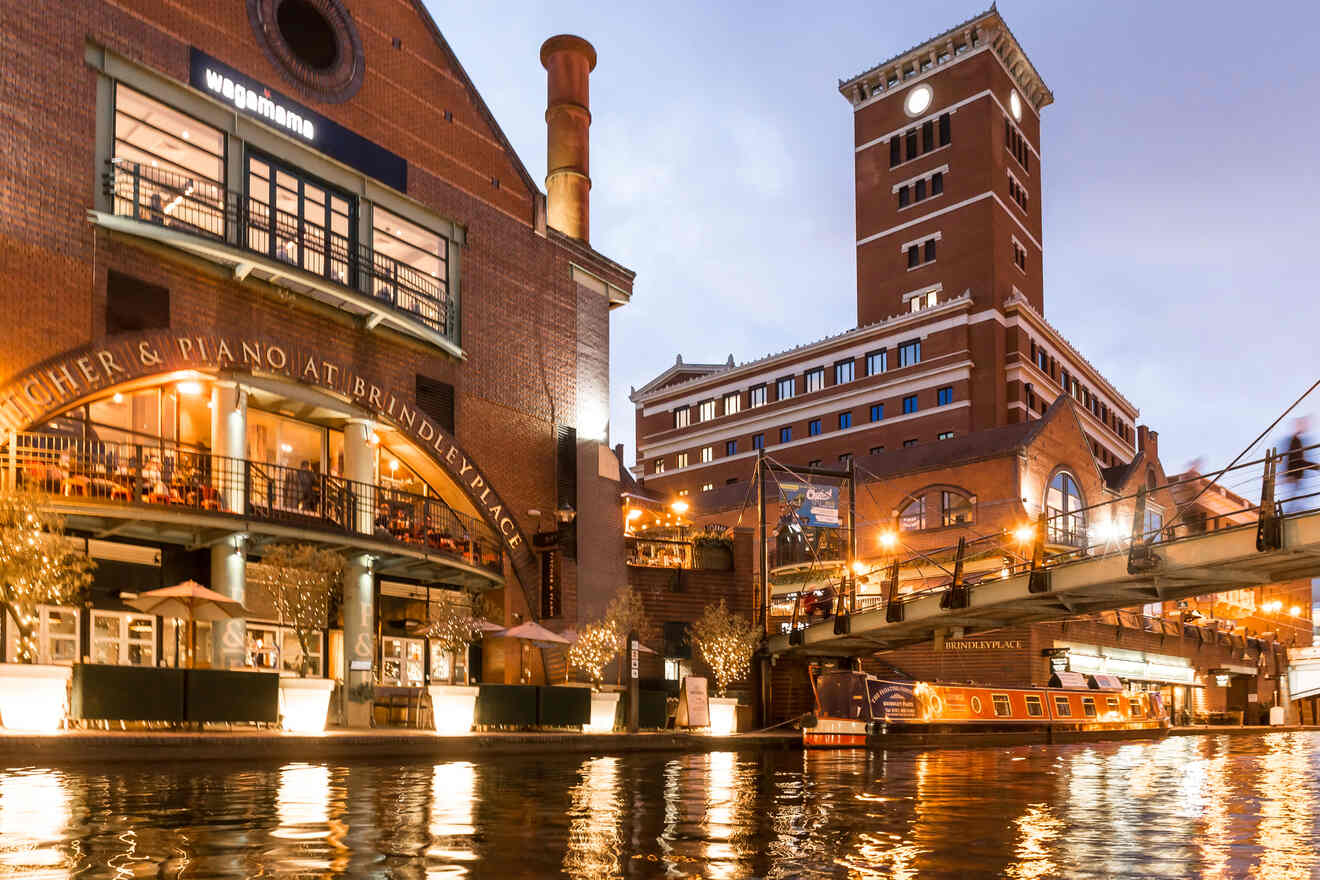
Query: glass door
[(294, 218)]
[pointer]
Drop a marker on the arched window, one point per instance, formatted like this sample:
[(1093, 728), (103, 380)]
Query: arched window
[(955, 509), (1063, 510), (913, 517)]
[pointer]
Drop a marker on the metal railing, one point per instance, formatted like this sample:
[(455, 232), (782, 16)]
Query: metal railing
[(206, 209), (175, 475)]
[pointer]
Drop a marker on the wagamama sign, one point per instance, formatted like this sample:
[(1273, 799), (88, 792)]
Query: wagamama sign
[(246, 98)]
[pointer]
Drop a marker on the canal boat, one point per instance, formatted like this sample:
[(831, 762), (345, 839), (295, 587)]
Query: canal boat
[(856, 709)]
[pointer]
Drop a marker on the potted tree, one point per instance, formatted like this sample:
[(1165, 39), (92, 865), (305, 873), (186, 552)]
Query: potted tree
[(726, 642), (625, 614), (453, 627), (38, 566), (302, 579), (596, 645)]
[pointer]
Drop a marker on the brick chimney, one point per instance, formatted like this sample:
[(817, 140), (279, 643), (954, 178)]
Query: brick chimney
[(568, 61)]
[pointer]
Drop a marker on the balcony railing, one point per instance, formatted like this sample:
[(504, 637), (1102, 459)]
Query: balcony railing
[(177, 476), (208, 210)]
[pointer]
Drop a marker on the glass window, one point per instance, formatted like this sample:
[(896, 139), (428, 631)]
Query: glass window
[(682, 417), (785, 434), (659, 465), (1088, 707), (1034, 707), (123, 639), (758, 441), (937, 183), (1063, 508), (815, 379), (169, 169), (910, 403), (1062, 707), (290, 654), (411, 264), (913, 256), (843, 371), (784, 388), (876, 450), (401, 663), (904, 196), (445, 663), (1153, 525), (1002, 706), (813, 427), (733, 402), (56, 631), (845, 420), (877, 411), (955, 509), (876, 362), (944, 396), (920, 190), (730, 447), (756, 396), (910, 442), (681, 460), (845, 460), (707, 453), (944, 435), (912, 518), (1134, 706), (706, 410), (909, 353), (298, 220), (930, 251)]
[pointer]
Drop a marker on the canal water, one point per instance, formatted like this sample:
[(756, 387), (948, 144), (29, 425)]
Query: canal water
[(1183, 807)]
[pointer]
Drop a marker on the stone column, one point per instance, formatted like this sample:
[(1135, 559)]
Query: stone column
[(229, 558), (359, 582)]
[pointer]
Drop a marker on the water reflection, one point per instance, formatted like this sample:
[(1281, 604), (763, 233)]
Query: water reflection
[(1186, 807), (593, 833)]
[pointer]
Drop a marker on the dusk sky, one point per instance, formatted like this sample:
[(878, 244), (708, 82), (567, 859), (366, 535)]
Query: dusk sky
[(1180, 184)]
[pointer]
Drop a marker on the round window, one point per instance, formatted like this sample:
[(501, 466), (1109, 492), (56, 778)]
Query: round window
[(1015, 104), (918, 100), (313, 42), (976, 705)]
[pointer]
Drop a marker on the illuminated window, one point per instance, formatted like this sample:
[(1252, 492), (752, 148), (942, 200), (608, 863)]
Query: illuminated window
[(681, 460), (913, 517), (659, 465), (56, 631), (1064, 509), (733, 402), (682, 417), (707, 454), (1002, 706), (944, 435), (706, 487), (123, 639), (706, 410), (955, 509), (1062, 707), (411, 262), (1034, 707)]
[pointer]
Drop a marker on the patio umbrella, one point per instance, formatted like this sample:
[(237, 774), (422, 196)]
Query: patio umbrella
[(533, 632), (188, 601)]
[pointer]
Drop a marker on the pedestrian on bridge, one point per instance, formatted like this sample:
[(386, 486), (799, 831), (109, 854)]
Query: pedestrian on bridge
[(1297, 466)]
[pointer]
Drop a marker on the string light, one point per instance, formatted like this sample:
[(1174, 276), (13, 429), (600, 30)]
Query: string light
[(726, 642), (301, 579), (595, 647)]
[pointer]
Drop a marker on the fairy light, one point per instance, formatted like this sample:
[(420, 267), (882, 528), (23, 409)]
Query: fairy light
[(595, 647), (726, 642)]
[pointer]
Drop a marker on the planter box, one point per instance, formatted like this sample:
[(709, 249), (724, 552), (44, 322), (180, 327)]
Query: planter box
[(563, 706), (723, 716), (304, 702), (506, 705), (604, 711), (126, 693), (453, 707), (231, 695), (32, 696)]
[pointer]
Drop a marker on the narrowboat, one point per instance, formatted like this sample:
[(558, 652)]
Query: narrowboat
[(856, 709)]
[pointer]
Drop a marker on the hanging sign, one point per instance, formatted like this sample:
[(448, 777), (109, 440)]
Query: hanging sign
[(815, 506), (693, 705)]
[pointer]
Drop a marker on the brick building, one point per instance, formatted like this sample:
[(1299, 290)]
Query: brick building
[(960, 409), (275, 273)]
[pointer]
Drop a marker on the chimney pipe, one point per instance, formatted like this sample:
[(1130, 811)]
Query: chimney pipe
[(568, 61)]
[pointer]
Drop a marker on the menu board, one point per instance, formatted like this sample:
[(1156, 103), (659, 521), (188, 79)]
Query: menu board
[(693, 707)]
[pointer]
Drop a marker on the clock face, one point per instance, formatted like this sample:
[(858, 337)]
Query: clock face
[(918, 100), (1015, 104)]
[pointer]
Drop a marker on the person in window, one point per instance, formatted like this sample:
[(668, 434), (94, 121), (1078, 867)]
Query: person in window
[(382, 520), (1297, 465), (309, 488), (156, 213)]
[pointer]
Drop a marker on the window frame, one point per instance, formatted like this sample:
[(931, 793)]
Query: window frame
[(911, 404), (752, 395), (846, 366), (997, 700), (1034, 701), (789, 382), (909, 353), (813, 380)]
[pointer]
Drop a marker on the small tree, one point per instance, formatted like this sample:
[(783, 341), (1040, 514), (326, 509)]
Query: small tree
[(726, 642), (302, 579), (595, 646), (38, 565), (453, 627)]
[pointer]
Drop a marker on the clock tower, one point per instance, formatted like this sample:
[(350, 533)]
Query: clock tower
[(948, 171)]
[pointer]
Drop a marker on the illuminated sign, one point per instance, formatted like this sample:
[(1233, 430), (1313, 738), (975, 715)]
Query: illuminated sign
[(815, 506), (259, 101)]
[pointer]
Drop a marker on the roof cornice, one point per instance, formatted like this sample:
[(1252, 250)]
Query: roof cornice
[(986, 29)]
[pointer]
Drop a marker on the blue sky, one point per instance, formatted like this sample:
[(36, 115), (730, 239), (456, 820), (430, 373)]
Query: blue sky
[(1182, 234)]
